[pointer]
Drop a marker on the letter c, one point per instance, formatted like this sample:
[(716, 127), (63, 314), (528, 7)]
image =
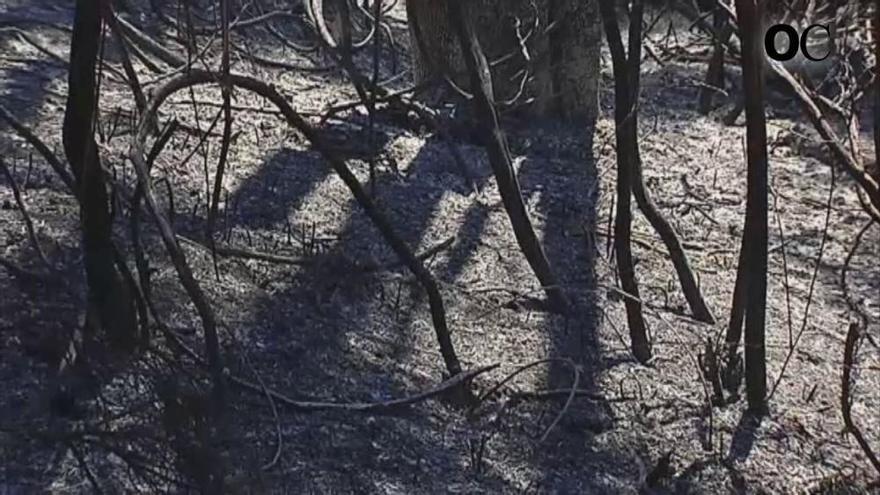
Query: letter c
[(804, 42)]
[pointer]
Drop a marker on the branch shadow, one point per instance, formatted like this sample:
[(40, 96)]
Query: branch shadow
[(347, 334)]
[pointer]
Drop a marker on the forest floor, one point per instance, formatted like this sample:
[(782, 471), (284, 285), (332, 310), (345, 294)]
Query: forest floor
[(335, 328)]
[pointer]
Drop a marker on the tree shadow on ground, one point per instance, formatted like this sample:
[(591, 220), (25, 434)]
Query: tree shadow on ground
[(326, 329), (744, 436), (344, 334), (559, 177), (37, 317), (26, 83)]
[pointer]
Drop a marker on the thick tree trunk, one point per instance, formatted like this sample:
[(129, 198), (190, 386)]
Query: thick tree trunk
[(562, 39), (111, 308)]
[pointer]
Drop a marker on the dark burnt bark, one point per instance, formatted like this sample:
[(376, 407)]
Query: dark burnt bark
[(560, 58), (499, 155), (625, 97), (664, 229), (111, 308), (754, 271), (714, 81)]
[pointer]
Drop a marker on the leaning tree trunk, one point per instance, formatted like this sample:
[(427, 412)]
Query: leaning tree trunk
[(499, 155), (560, 60), (111, 309)]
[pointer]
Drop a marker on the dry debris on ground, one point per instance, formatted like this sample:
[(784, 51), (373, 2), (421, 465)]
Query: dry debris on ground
[(327, 328)]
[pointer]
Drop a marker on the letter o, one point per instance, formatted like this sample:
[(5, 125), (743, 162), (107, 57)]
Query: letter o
[(770, 42), (804, 42)]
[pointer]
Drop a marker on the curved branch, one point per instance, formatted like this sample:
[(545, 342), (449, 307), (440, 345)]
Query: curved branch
[(849, 352), (197, 77)]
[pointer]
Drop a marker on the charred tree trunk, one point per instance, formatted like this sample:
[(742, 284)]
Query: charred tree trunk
[(111, 308), (499, 155), (543, 52), (753, 263), (677, 254), (714, 82), (625, 97), (664, 229)]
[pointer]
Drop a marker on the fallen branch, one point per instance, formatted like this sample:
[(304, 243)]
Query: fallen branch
[(558, 393), (29, 225), (40, 48), (247, 254), (233, 252), (846, 159), (381, 407), (384, 407), (807, 99), (41, 147), (143, 41), (572, 392)]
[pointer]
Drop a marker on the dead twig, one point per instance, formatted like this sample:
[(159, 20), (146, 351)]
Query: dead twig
[(572, 392), (793, 345), (843, 276)]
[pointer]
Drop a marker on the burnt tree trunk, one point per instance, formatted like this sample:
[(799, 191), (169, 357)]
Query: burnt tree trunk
[(625, 97), (714, 81), (111, 309), (480, 81), (561, 40), (752, 272), (664, 229)]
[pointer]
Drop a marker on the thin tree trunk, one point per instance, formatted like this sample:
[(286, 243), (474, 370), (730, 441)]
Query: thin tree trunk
[(111, 307), (676, 252), (749, 13), (626, 139), (499, 156), (737, 306), (714, 82)]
